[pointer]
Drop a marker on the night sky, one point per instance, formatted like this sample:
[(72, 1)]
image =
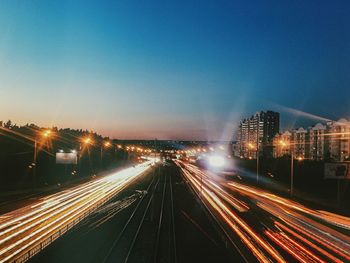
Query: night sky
[(173, 69)]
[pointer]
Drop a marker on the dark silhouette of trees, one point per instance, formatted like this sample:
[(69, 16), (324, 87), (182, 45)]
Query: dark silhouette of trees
[(17, 154)]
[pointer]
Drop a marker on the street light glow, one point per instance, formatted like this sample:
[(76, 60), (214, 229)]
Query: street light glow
[(251, 146), (47, 133), (87, 140), (283, 143)]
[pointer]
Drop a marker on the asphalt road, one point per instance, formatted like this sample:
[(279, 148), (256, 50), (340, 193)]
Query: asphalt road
[(172, 213), (155, 219), (266, 227), (27, 230)]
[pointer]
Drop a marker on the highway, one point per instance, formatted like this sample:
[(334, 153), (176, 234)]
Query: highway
[(156, 219), (267, 228), (258, 225), (27, 230)]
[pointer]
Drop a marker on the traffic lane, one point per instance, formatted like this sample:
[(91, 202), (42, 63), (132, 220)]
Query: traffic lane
[(12, 201), (338, 222), (198, 239), (91, 240), (269, 221), (272, 223), (252, 245), (27, 227), (25, 214), (295, 222), (292, 216)]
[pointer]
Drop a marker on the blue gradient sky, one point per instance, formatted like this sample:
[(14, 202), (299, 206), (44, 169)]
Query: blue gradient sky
[(172, 69)]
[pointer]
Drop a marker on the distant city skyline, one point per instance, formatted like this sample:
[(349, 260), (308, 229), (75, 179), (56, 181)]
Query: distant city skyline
[(173, 70), (306, 120)]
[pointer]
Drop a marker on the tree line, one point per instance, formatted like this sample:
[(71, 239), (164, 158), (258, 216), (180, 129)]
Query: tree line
[(18, 144)]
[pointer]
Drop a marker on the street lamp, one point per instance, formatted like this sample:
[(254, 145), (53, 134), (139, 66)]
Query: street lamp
[(87, 141), (45, 135), (106, 144), (285, 144), (84, 142), (252, 147)]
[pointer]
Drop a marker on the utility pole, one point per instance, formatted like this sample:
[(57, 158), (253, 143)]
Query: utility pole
[(257, 154), (338, 193), (101, 155), (35, 157), (291, 173)]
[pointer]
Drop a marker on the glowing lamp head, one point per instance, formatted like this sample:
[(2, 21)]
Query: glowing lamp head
[(87, 140), (283, 143), (46, 133), (251, 146)]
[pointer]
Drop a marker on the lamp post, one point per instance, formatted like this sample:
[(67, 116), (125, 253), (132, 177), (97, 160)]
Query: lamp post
[(252, 147), (106, 144), (257, 162), (84, 142), (291, 173), (285, 144), (45, 135)]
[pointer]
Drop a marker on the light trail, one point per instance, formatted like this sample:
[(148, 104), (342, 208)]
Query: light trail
[(239, 205), (307, 242), (301, 248), (235, 222), (331, 218), (337, 242), (286, 247), (255, 250), (24, 232), (272, 228)]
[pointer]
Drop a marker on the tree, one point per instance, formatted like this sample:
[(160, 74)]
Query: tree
[(8, 124)]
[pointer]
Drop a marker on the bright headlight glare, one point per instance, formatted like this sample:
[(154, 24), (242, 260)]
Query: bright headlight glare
[(216, 161)]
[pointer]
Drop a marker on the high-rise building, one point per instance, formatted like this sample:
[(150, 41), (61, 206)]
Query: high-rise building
[(295, 141), (317, 142), (257, 133), (338, 140), (300, 146)]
